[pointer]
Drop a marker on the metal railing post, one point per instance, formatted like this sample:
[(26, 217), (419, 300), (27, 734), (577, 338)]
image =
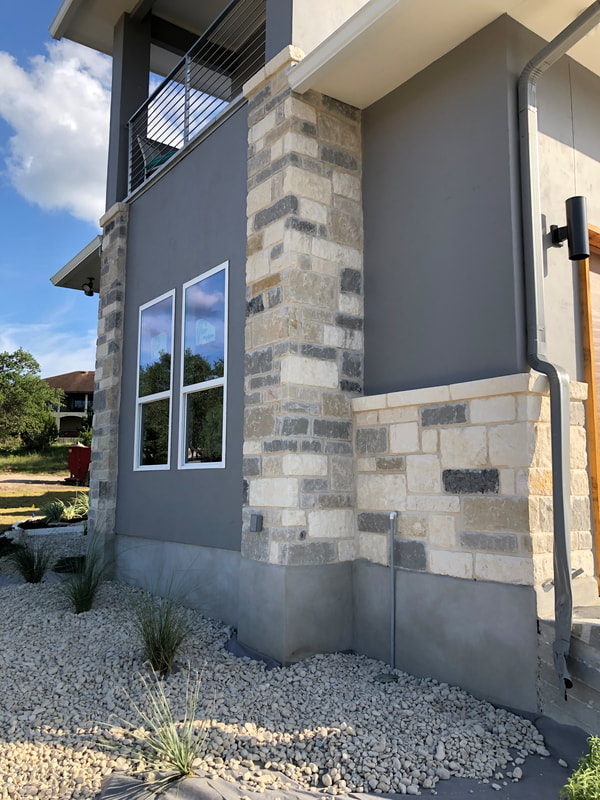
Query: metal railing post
[(186, 103)]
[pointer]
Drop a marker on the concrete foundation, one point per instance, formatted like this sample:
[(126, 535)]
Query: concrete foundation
[(200, 577), (475, 634), (290, 613)]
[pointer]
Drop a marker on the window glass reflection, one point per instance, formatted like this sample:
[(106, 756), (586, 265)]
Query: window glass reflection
[(155, 348), (204, 428), (154, 444), (204, 337)]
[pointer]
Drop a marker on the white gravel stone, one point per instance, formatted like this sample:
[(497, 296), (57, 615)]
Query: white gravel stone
[(324, 724)]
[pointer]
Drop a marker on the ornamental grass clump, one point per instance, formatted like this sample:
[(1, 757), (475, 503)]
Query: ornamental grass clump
[(167, 745), (32, 559), (584, 783), (162, 627), (53, 511), (78, 508), (81, 589)]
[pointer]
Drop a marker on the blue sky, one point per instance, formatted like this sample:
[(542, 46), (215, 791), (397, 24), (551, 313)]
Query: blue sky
[(54, 99)]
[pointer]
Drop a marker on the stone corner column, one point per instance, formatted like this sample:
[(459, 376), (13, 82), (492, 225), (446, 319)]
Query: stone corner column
[(304, 362), (107, 383)]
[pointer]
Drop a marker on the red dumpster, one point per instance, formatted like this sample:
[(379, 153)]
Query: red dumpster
[(79, 463)]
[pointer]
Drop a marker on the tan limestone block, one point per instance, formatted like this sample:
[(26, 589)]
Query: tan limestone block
[(504, 569), (270, 326), (423, 474), (579, 390), (273, 233), (535, 408), (350, 304), (366, 464), (577, 413), (412, 526), (309, 371), (511, 445), (304, 464), (259, 197), (293, 517), (309, 209), (542, 455), (252, 448), (580, 482), (546, 514), (274, 553), (322, 265), (496, 514), (347, 549), (341, 133), (463, 447), (342, 473), (276, 150), (429, 439), (257, 265), (432, 503), (271, 466), (336, 405), (417, 397), (331, 524), (274, 492), (373, 547), (261, 128), (442, 531), (543, 568), (505, 384), (303, 286), (303, 183), (259, 422), (542, 543), (296, 242), (578, 448), (297, 143), (507, 482), (295, 107), (339, 254), (342, 337), (540, 482), (312, 332), (406, 414), (376, 401), (366, 418), (494, 409), (263, 285), (404, 437), (379, 492), (583, 559), (454, 564), (347, 186)]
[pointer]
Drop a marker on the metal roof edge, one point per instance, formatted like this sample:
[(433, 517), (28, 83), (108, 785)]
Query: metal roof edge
[(58, 277)]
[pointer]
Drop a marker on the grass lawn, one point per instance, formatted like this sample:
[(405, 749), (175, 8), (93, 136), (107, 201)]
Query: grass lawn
[(50, 462), (17, 505)]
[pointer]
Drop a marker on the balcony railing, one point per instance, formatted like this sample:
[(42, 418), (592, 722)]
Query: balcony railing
[(199, 89)]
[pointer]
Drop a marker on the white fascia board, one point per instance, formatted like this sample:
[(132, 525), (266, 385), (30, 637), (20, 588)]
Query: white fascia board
[(302, 76), (62, 18), (61, 278)]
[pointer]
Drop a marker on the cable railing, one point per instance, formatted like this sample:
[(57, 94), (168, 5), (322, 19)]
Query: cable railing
[(199, 89)]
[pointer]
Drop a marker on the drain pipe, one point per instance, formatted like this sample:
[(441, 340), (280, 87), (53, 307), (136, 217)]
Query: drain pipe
[(536, 327), (393, 516)]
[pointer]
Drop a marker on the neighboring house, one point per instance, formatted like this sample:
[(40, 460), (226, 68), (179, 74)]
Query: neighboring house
[(78, 388), (317, 298)]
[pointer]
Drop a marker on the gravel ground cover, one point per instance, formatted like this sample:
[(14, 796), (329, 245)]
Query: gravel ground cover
[(326, 724)]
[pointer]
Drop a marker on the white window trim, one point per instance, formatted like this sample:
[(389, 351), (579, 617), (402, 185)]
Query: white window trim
[(141, 401), (214, 382)]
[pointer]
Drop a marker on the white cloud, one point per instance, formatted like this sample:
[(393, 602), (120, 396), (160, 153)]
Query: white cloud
[(56, 349), (58, 107)]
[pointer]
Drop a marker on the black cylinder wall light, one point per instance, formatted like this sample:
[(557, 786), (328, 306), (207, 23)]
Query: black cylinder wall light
[(575, 231), (577, 228)]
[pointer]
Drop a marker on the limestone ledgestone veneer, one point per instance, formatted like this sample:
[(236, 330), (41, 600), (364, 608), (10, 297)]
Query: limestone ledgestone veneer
[(304, 340), (468, 468), (109, 357)]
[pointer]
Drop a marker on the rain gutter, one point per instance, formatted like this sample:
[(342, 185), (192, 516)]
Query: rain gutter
[(537, 355)]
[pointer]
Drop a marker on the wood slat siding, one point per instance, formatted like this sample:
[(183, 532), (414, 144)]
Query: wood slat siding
[(589, 290)]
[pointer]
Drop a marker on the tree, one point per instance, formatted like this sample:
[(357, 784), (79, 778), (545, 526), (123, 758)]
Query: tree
[(26, 401)]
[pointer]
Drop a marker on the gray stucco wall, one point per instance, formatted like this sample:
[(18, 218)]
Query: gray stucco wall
[(443, 250), (191, 220), (476, 634), (443, 285)]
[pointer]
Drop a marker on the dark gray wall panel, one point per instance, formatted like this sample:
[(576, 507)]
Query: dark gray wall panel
[(443, 276), (475, 634), (191, 220)]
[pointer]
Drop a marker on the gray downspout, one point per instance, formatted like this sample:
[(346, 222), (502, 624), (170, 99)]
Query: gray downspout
[(536, 326)]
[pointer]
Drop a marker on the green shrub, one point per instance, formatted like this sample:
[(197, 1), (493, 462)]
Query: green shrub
[(53, 511), (81, 589), (584, 783), (41, 434), (77, 508), (32, 559), (162, 627), (85, 437)]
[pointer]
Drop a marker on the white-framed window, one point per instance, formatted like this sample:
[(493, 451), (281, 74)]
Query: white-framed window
[(204, 370), (154, 378)]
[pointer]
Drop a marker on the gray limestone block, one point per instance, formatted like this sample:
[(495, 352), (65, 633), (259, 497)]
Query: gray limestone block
[(447, 414), (410, 555), (371, 440), (471, 481)]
